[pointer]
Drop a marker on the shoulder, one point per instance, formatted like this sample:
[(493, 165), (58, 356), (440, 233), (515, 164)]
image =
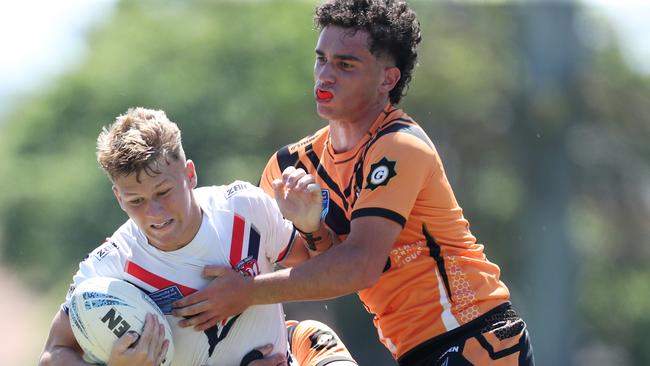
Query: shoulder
[(231, 196), (109, 255), (401, 132), (289, 154), (403, 139), (122, 240)]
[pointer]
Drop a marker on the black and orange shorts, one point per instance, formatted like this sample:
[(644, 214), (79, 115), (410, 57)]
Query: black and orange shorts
[(313, 343), (497, 338)]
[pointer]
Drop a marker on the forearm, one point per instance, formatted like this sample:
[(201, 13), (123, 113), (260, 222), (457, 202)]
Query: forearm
[(61, 347), (337, 272), (61, 355)]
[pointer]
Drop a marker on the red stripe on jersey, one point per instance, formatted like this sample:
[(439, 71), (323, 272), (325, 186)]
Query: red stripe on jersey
[(153, 279), (286, 250), (237, 242), (283, 254)]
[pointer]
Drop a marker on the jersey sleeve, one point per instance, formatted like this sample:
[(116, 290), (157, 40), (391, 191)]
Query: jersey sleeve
[(395, 170), (103, 261), (277, 233)]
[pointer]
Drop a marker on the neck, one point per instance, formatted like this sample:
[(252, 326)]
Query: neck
[(346, 134)]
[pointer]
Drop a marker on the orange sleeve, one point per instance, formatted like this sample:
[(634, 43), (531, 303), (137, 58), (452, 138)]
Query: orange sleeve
[(395, 170)]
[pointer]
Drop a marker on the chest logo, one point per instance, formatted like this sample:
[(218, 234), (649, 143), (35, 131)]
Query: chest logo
[(248, 267), (381, 173)]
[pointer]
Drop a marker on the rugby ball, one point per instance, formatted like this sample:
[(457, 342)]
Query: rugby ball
[(102, 309)]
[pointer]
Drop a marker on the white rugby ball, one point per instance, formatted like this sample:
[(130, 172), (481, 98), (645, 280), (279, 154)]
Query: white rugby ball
[(102, 309)]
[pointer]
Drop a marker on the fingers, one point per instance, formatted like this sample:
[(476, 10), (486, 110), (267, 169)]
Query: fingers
[(125, 341), (293, 179), (291, 176), (192, 299), (275, 360), (314, 190), (191, 310), (278, 188), (215, 271), (150, 329), (157, 340), (304, 182), (162, 356), (200, 322), (266, 350), (149, 348)]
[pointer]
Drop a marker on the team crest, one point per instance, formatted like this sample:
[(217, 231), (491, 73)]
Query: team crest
[(380, 174), (248, 267)]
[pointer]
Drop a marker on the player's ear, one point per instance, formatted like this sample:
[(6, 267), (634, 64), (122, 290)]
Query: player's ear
[(392, 75), (190, 171), (116, 192)]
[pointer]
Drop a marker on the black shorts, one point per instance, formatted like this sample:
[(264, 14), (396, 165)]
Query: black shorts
[(497, 338)]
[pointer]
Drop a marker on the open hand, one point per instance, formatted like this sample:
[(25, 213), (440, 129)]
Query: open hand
[(226, 295), (148, 349), (299, 198)]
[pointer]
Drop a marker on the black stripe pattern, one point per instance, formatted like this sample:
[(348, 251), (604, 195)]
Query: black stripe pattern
[(434, 252), (381, 212)]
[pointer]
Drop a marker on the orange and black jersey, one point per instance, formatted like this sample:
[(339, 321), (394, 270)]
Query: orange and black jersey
[(436, 277)]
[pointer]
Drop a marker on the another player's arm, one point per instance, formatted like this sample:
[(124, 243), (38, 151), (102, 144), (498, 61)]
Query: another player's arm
[(61, 347), (355, 264), (302, 249)]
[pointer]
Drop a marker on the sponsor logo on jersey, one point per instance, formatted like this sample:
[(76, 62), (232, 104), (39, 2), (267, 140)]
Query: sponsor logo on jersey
[(165, 297), (104, 249), (407, 253), (325, 193), (234, 189), (381, 173), (248, 267), (300, 144)]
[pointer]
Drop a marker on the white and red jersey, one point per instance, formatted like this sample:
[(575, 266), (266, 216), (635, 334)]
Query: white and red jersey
[(241, 227)]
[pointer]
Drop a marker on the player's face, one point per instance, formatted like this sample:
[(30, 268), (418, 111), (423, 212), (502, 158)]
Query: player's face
[(350, 82), (163, 206)]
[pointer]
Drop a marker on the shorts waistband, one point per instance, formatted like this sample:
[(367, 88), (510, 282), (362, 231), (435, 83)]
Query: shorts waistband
[(436, 343)]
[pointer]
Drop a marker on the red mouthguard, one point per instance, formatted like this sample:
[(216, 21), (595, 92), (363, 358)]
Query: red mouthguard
[(322, 94)]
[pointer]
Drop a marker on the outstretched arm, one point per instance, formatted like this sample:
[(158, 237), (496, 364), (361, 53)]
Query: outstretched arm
[(353, 265)]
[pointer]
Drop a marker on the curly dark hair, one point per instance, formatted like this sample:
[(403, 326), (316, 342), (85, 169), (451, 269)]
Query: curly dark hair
[(393, 28)]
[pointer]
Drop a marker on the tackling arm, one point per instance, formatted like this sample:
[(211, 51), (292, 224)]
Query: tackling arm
[(353, 265)]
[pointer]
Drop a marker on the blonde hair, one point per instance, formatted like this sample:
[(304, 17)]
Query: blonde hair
[(137, 142)]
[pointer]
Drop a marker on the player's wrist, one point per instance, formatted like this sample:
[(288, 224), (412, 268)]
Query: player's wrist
[(318, 240), (307, 226)]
